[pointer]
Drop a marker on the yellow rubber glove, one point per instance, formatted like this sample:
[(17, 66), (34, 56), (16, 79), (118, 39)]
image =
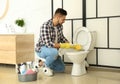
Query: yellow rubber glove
[(68, 45), (65, 45)]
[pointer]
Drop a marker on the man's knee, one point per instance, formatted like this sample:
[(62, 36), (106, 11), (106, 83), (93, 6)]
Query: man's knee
[(54, 53)]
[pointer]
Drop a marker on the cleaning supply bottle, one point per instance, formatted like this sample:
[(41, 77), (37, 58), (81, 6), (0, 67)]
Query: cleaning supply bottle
[(23, 69)]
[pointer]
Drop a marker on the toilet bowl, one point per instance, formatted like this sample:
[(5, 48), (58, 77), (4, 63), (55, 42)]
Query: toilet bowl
[(85, 38)]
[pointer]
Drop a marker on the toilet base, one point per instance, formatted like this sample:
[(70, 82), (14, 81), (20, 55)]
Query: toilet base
[(78, 69)]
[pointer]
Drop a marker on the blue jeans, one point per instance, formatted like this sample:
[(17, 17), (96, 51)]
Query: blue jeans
[(53, 61)]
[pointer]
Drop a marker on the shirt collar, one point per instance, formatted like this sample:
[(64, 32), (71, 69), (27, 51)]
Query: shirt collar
[(51, 24)]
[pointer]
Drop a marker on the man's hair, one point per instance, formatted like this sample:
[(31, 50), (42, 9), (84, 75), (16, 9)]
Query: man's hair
[(61, 11)]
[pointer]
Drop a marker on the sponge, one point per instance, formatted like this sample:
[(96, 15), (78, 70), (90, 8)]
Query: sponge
[(77, 47)]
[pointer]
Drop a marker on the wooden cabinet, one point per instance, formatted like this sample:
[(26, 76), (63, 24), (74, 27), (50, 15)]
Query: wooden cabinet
[(16, 48)]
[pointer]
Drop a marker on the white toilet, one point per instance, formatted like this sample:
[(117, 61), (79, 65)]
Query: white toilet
[(85, 38)]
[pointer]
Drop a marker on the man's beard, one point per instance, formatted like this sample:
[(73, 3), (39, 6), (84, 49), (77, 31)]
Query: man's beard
[(59, 23)]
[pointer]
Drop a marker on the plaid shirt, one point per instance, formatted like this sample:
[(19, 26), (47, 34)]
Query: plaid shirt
[(48, 35)]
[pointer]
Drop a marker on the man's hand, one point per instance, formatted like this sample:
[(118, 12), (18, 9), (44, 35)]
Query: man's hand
[(57, 45)]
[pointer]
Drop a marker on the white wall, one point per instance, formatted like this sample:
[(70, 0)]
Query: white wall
[(106, 9), (35, 12)]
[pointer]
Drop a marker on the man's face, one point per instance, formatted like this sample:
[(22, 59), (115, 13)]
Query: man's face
[(61, 19)]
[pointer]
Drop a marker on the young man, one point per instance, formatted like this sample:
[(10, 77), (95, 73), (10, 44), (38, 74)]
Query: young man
[(51, 35)]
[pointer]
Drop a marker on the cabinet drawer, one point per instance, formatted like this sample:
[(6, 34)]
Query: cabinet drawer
[(15, 49), (7, 42)]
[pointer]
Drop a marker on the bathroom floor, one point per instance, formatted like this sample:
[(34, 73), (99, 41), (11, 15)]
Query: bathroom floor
[(94, 76)]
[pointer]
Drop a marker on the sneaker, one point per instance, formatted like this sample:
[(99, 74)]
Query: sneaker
[(41, 65), (47, 71)]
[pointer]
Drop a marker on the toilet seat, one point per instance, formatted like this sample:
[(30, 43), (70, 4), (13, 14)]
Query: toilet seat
[(83, 37)]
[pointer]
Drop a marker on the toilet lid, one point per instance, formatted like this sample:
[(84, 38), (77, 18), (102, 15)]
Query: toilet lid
[(83, 37)]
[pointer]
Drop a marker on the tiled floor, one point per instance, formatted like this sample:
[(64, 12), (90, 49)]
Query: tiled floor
[(94, 76)]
